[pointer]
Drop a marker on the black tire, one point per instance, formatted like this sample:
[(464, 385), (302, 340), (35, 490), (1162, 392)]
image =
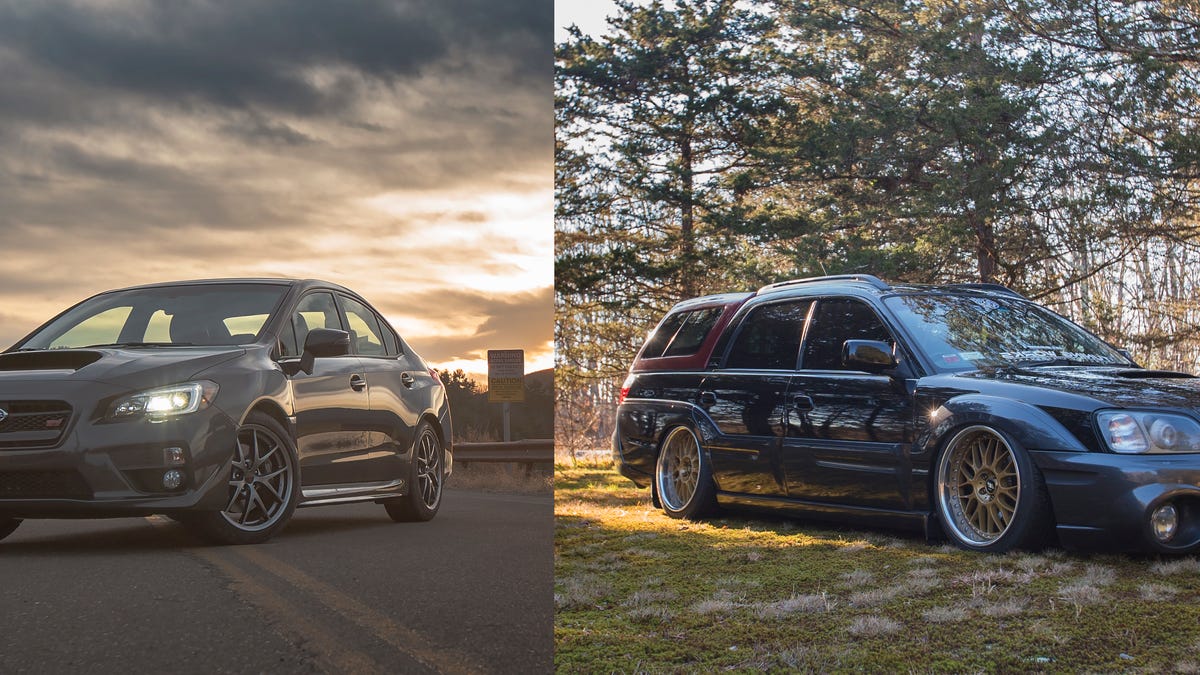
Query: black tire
[(682, 477), (989, 495), (251, 516), (426, 478), (8, 526)]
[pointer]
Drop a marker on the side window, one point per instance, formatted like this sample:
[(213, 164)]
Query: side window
[(287, 340), (389, 338), (834, 322), (364, 328), (316, 310), (682, 333), (769, 337)]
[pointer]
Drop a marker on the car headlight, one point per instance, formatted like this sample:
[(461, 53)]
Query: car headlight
[(1131, 431), (178, 399)]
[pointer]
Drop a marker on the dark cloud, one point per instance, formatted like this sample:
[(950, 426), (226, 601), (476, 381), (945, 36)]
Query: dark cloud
[(253, 53)]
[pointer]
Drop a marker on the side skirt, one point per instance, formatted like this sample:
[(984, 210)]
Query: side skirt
[(319, 495), (863, 515)]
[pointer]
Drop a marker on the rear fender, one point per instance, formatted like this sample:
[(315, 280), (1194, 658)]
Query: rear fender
[(643, 425)]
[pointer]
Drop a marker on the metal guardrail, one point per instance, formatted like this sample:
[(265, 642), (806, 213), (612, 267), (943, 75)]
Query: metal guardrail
[(533, 451)]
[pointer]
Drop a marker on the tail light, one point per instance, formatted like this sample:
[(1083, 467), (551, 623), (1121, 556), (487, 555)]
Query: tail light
[(625, 386), (434, 375)]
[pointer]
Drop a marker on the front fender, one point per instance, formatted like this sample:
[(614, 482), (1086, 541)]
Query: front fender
[(1030, 426)]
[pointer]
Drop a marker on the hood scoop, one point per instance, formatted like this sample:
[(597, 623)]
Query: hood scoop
[(1143, 374), (52, 359)]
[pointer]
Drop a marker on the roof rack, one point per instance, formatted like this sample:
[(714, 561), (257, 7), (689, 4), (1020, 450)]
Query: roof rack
[(996, 288), (866, 278)]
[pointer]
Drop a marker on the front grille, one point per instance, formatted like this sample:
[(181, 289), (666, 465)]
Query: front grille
[(33, 424), (43, 485)]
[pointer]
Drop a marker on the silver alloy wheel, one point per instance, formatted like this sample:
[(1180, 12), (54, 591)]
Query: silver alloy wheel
[(678, 474), (260, 485), (978, 485), (429, 468)]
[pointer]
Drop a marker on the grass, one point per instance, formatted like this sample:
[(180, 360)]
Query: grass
[(636, 591), (499, 477)]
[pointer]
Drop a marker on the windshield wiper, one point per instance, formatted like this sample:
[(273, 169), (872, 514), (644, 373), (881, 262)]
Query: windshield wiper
[(138, 344), (1060, 361)]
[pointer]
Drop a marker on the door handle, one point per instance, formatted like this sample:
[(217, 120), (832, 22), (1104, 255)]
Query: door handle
[(803, 403), (406, 380), (707, 399), (358, 382)]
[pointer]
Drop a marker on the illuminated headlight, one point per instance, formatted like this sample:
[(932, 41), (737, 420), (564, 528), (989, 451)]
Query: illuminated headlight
[(179, 399), (1130, 432)]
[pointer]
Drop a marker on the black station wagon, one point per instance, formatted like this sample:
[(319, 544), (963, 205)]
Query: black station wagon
[(966, 410), (224, 404)]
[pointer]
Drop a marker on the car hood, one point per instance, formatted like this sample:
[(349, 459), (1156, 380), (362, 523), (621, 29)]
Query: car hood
[(1104, 386), (131, 367)]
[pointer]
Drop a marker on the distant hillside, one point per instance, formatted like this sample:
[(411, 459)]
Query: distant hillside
[(477, 420)]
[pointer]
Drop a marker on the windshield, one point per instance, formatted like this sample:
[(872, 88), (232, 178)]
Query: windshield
[(206, 315), (964, 332)]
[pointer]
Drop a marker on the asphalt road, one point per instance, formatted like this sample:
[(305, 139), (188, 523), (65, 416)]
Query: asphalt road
[(342, 590)]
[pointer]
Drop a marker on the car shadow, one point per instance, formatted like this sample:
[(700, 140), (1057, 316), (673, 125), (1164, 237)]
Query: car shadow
[(138, 536)]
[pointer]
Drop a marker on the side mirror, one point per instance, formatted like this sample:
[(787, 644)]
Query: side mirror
[(872, 356), (323, 343), (1127, 354)]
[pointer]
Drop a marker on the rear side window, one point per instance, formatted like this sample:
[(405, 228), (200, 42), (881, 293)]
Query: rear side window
[(834, 322), (364, 328), (682, 333), (769, 337)]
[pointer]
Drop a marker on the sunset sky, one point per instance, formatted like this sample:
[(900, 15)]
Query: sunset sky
[(403, 149)]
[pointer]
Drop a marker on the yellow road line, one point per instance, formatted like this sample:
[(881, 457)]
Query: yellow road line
[(331, 655), (383, 627)]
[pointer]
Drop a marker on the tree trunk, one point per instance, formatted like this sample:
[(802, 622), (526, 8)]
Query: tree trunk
[(985, 247), (687, 243)]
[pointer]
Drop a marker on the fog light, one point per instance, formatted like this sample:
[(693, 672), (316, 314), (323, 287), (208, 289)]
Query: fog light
[(173, 456), (173, 479), (1164, 521)]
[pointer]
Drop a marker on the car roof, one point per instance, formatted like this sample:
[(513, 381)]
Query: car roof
[(867, 284), (275, 281)]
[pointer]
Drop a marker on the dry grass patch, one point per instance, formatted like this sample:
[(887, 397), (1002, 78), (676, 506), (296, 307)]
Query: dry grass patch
[(1080, 593), (1004, 608), (871, 626), (805, 604), (876, 596), (858, 577), (1157, 592), (1166, 568), (508, 478), (580, 591)]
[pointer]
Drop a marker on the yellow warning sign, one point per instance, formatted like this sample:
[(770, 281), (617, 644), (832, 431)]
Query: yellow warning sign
[(506, 375)]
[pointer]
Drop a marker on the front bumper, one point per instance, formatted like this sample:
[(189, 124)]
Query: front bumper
[(1104, 501), (115, 469)]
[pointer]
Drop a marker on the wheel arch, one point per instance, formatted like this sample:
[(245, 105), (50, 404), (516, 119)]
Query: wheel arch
[(436, 424), (1028, 425), (272, 409)]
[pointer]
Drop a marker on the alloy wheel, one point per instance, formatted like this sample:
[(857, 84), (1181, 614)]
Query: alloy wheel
[(260, 484), (429, 468), (678, 469), (979, 485)]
